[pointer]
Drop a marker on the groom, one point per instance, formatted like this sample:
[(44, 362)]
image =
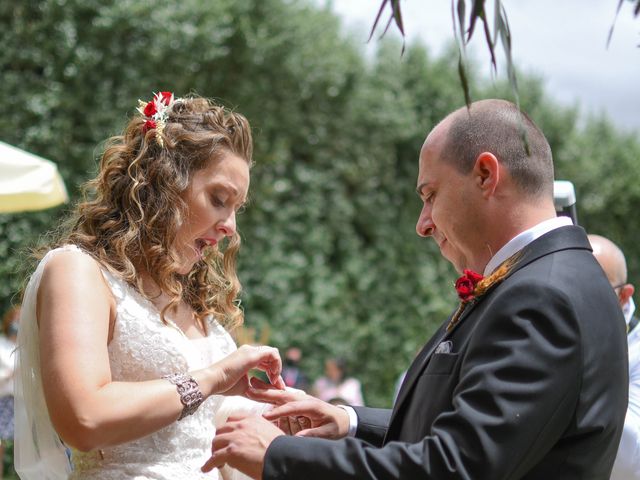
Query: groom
[(527, 380)]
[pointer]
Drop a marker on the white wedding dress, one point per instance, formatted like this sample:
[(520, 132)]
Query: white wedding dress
[(142, 348)]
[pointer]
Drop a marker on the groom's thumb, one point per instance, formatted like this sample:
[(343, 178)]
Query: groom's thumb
[(321, 432)]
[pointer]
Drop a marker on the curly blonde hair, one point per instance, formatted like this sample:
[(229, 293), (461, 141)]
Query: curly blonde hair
[(132, 210)]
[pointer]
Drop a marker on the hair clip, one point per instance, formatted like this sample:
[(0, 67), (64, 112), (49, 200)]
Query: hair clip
[(156, 113)]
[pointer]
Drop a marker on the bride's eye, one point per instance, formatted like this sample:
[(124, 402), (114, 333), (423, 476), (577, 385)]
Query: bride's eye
[(217, 201)]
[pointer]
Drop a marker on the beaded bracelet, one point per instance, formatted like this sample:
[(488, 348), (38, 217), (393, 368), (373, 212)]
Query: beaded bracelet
[(190, 395)]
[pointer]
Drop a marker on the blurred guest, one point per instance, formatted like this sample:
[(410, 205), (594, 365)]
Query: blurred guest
[(291, 373), (611, 258), (7, 346), (336, 385)]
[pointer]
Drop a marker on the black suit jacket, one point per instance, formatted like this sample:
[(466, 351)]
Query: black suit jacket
[(534, 387)]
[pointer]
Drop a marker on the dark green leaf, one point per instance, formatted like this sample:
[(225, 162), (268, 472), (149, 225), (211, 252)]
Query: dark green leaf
[(490, 45), (615, 18), (463, 81), (460, 11), (375, 23), (397, 14), (477, 11)]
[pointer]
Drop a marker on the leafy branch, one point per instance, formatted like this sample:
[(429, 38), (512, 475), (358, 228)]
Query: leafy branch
[(464, 26)]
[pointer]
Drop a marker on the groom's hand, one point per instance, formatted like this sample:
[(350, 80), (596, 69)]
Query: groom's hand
[(263, 392), (307, 416), (326, 420), (242, 443)]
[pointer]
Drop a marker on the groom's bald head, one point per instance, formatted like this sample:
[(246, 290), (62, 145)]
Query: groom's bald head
[(500, 128)]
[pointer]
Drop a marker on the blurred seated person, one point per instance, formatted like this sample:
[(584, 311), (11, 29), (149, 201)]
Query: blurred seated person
[(292, 375), (335, 384)]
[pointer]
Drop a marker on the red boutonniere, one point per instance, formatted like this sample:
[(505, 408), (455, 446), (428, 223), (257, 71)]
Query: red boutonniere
[(472, 285), (466, 285)]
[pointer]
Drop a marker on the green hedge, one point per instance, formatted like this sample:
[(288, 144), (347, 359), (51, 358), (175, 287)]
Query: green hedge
[(330, 261)]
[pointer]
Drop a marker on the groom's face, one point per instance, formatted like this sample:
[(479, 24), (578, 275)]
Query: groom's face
[(449, 207)]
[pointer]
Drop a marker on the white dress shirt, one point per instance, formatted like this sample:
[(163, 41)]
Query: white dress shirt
[(523, 239), (627, 464)]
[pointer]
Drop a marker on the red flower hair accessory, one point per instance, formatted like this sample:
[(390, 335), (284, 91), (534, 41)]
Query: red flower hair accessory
[(156, 112), (466, 285)]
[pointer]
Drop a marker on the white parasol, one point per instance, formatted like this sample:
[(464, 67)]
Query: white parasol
[(28, 182)]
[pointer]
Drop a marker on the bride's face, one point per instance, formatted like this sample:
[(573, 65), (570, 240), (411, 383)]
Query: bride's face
[(215, 195)]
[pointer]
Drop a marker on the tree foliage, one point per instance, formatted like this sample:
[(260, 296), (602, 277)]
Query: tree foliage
[(330, 260)]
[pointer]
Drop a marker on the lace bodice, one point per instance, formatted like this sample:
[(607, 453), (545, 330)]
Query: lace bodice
[(144, 348)]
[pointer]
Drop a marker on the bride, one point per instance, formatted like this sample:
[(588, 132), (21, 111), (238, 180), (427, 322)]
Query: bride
[(124, 357)]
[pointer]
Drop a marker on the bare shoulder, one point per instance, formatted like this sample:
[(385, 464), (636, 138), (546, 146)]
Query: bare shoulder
[(71, 267), (72, 279)]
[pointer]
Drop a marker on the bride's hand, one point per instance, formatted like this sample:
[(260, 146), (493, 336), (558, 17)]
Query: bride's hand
[(232, 371)]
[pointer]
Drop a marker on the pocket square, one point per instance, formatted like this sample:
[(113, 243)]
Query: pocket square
[(444, 347)]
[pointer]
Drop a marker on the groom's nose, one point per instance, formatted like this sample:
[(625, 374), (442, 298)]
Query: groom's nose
[(425, 225)]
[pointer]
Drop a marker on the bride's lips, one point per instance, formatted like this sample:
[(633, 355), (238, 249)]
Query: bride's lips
[(211, 242), (202, 243)]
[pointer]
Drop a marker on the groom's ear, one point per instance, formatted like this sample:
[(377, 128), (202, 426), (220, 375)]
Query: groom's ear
[(487, 172)]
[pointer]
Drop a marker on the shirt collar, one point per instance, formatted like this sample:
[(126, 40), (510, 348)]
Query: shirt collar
[(523, 239)]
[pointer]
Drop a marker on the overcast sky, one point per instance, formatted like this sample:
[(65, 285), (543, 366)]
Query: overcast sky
[(564, 41)]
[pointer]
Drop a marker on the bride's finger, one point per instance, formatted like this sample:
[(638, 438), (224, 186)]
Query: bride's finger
[(271, 395), (270, 356), (259, 384), (273, 370), (278, 383)]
